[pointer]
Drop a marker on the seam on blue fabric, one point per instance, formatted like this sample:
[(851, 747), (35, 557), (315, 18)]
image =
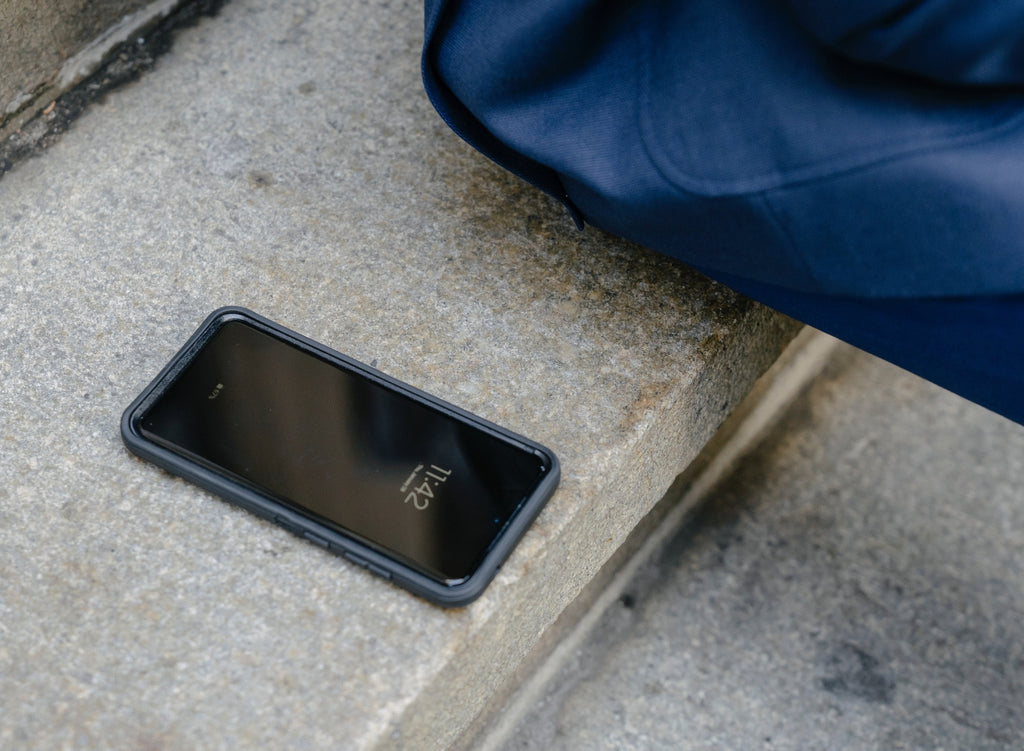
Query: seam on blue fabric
[(888, 19), (789, 241), (642, 106), (980, 136), (832, 168), (837, 168)]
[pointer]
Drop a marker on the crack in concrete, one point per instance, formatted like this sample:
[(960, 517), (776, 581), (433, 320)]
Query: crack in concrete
[(125, 63)]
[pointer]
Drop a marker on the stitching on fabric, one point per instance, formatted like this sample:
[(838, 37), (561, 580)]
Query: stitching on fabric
[(887, 20), (643, 106), (791, 244), (833, 168)]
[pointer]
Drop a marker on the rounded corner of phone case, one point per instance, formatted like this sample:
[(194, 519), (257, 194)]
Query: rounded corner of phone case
[(554, 466), (129, 426), (227, 313), (230, 310), (462, 594)]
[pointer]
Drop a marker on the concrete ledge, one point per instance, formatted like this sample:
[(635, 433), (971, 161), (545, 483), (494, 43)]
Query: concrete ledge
[(283, 157), (508, 712), (48, 46)]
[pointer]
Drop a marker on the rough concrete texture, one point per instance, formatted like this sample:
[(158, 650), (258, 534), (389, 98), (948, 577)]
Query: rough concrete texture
[(857, 583), (283, 157), (125, 51), (37, 37)]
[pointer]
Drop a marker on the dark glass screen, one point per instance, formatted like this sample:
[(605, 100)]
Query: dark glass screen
[(350, 452)]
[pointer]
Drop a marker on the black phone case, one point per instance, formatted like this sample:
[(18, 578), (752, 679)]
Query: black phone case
[(267, 507)]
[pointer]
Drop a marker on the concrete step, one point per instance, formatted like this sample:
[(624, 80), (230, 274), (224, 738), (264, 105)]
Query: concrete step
[(50, 46), (283, 157), (855, 582)]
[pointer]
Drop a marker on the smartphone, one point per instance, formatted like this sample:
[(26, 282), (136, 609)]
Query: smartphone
[(402, 483)]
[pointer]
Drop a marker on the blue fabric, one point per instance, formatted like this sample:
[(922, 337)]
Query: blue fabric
[(970, 345), (957, 41), (827, 158)]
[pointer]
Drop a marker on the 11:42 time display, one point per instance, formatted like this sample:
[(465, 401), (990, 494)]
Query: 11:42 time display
[(421, 495)]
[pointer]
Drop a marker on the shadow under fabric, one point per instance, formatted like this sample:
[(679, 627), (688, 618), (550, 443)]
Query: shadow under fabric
[(858, 168)]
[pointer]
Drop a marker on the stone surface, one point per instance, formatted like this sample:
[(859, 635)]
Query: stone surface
[(283, 157), (855, 584), (37, 37)]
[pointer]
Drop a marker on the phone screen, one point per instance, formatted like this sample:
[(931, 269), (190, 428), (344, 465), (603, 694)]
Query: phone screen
[(334, 445)]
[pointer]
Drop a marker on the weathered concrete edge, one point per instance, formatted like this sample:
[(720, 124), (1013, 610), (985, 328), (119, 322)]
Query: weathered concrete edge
[(792, 374), (462, 697), (89, 59), (80, 66)]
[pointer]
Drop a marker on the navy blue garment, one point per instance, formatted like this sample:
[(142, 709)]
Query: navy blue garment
[(859, 166)]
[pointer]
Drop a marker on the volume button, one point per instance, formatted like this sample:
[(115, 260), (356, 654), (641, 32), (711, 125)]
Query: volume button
[(356, 559), (383, 573), (285, 524), (317, 540), (371, 567)]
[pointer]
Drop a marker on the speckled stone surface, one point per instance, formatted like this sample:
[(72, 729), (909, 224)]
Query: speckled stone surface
[(283, 157), (857, 583), (38, 36)]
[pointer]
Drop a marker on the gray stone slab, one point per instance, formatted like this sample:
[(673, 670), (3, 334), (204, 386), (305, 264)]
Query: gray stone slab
[(46, 44), (855, 584), (283, 157)]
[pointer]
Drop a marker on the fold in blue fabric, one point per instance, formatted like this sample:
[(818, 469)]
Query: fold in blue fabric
[(956, 41), (858, 166)]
